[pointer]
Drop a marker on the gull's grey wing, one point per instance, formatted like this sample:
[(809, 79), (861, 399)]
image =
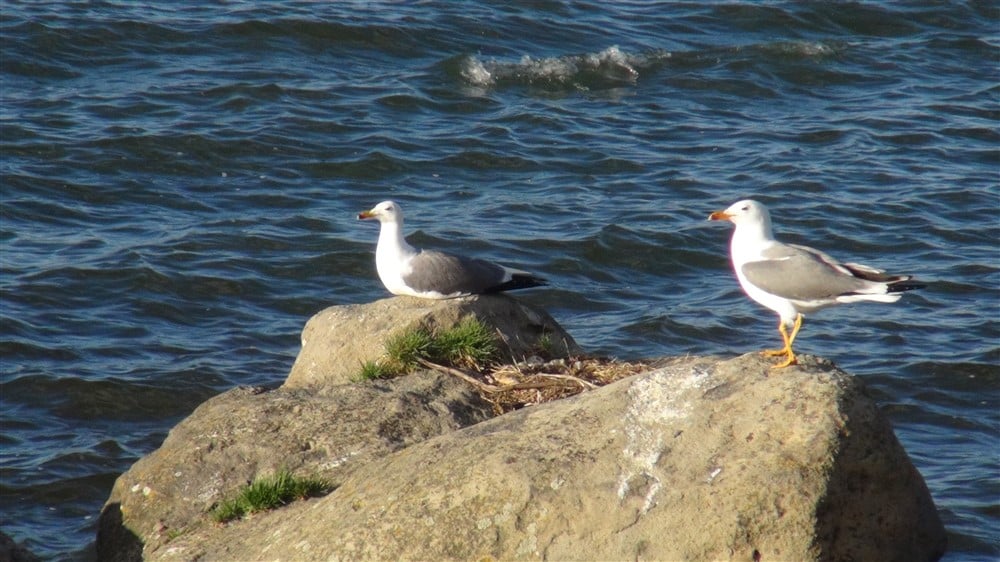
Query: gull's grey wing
[(858, 270), (448, 274), (803, 274)]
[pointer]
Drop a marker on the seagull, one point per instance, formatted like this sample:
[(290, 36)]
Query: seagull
[(428, 274), (792, 280)]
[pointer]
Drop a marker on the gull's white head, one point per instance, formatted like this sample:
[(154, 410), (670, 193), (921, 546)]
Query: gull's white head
[(751, 218), (386, 211), (747, 212)]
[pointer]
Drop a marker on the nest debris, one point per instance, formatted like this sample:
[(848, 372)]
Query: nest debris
[(514, 386)]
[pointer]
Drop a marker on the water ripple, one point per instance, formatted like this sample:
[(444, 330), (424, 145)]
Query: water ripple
[(180, 186)]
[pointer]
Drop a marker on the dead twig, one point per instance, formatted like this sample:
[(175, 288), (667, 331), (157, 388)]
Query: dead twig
[(578, 380), (555, 380), (460, 374)]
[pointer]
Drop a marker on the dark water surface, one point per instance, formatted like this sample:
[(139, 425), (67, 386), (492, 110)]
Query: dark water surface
[(180, 184)]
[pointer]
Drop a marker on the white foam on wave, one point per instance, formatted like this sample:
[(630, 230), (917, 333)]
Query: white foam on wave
[(611, 66), (548, 68), (803, 49), (475, 73), (614, 57)]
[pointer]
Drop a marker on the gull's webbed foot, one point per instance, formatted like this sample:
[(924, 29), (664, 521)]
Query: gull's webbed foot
[(792, 360), (787, 352)]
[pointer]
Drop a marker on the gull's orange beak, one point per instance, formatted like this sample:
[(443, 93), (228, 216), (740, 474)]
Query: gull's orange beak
[(366, 215), (719, 216)]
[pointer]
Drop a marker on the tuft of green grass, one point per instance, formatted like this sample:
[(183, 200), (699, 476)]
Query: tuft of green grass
[(371, 370), (544, 344), (270, 492), (469, 344), (405, 348)]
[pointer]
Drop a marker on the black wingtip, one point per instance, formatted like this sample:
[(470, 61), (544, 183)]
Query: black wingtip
[(905, 285), (518, 282)]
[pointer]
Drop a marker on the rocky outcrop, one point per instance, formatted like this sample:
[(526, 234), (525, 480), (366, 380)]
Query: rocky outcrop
[(695, 459), (10, 551), (236, 436), (336, 341)]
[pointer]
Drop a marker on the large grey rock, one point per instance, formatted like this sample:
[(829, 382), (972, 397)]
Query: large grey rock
[(249, 432), (339, 339), (699, 459), (10, 551)]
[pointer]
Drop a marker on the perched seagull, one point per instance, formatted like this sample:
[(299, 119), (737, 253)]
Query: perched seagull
[(405, 270), (792, 280)]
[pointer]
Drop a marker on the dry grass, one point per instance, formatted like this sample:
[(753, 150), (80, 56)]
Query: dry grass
[(512, 387)]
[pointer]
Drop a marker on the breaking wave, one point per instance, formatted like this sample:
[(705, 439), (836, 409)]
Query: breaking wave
[(615, 68), (610, 68)]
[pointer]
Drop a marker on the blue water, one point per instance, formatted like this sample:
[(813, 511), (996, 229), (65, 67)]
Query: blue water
[(180, 184)]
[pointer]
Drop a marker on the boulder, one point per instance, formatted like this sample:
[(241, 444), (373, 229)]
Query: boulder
[(10, 551), (248, 432), (696, 459), (339, 339)]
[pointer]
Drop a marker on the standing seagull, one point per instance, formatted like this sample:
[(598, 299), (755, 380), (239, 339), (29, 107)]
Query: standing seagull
[(792, 280), (405, 270)]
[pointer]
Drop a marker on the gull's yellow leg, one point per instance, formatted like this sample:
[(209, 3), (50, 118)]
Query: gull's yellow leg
[(784, 338), (795, 331), (791, 360)]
